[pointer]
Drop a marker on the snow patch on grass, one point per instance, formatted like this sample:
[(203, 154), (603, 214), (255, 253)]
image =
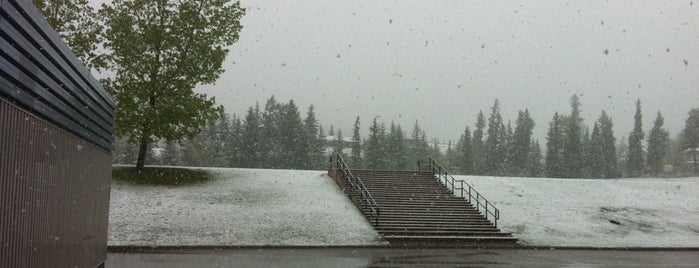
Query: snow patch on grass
[(644, 212), (239, 207)]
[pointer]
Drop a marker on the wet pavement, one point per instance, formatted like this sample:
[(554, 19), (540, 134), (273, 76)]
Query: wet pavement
[(399, 257)]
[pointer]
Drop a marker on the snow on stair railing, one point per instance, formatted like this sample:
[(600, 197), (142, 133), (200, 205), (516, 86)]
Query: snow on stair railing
[(357, 187), (482, 204)]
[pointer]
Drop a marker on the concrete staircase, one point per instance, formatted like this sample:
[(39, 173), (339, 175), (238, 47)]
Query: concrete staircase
[(417, 209)]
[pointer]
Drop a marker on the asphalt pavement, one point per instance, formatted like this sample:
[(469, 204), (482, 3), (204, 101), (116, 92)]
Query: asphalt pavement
[(402, 257)]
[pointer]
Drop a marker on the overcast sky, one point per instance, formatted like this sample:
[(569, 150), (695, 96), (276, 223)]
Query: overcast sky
[(440, 62)]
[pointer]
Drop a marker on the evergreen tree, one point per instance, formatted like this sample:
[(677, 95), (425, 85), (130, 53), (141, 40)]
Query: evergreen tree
[(508, 165), (676, 155), (270, 146), (170, 155), (608, 150), (396, 149), (587, 155), (658, 142), (593, 157), (314, 151), (452, 156), (534, 160), (521, 143), (375, 147), (435, 152), (125, 152), (572, 146), (206, 149), (478, 146), (253, 144), (494, 146), (554, 148), (691, 137), (621, 155), (235, 138), (338, 143), (291, 137), (635, 162), (418, 145), (464, 153), (356, 156)]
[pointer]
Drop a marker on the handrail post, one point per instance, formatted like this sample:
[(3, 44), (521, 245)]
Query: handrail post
[(469, 195), (486, 210), (478, 201)]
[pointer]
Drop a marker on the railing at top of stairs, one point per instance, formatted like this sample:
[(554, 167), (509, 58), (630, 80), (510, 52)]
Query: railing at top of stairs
[(482, 204), (357, 188)]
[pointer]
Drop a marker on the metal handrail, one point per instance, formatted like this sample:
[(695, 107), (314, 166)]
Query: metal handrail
[(484, 206), (356, 186)]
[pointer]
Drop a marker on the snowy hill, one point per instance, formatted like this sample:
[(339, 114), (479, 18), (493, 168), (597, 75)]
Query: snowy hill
[(283, 207), (596, 212), (239, 207)]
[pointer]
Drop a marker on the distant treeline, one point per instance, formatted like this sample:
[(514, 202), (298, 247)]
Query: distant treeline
[(278, 137)]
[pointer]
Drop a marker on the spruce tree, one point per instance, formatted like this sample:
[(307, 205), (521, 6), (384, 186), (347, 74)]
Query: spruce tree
[(356, 156), (419, 148), (252, 144), (658, 142), (534, 161), (521, 142), (494, 147), (554, 149), (621, 157), (464, 154), (375, 147), (607, 148), (313, 143), (477, 145), (690, 140), (234, 149), (338, 143), (396, 149), (270, 143), (508, 165), (291, 137), (635, 161), (593, 157), (572, 145), (171, 154)]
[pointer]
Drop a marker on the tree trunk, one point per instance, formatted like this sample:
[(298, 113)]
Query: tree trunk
[(142, 151)]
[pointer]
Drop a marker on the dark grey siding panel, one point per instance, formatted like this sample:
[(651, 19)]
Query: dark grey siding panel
[(54, 194), (56, 136), (44, 76)]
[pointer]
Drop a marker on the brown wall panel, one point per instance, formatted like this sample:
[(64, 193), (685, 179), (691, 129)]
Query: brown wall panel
[(54, 194)]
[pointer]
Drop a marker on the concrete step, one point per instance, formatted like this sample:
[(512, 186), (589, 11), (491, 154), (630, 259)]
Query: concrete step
[(383, 228), (447, 220), (459, 224), (456, 241), (428, 206), (493, 233), (431, 218)]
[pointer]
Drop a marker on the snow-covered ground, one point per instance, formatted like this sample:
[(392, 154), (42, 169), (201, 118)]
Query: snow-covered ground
[(577, 212), (239, 207), (283, 207)]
